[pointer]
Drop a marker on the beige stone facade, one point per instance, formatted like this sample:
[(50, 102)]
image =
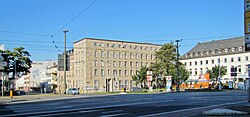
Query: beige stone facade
[(100, 65)]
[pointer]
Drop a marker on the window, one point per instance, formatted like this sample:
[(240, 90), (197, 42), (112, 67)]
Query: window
[(136, 55), (201, 71), (151, 57), (114, 64), (239, 68), (126, 72), (190, 71), (131, 72), (96, 84), (195, 63), (190, 63), (108, 54), (119, 45), (147, 64), (102, 54), (185, 63), (240, 48), (96, 54), (114, 72), (206, 61), (108, 62), (107, 44), (195, 71), (113, 46), (136, 64), (239, 59), (125, 55), (246, 58), (126, 64), (232, 59), (200, 62), (102, 63), (120, 64), (120, 55), (131, 46), (141, 64), (108, 72), (96, 63), (226, 50), (225, 60), (141, 56), (120, 72), (233, 49), (141, 47), (131, 64), (146, 56), (131, 55), (114, 55), (95, 72), (102, 72), (95, 44)]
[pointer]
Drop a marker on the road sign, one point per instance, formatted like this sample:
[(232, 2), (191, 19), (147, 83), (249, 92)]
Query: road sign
[(149, 75)]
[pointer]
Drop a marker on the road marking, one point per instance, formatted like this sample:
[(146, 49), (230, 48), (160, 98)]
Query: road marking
[(162, 105), (65, 113), (112, 111), (190, 109), (78, 109), (113, 115)]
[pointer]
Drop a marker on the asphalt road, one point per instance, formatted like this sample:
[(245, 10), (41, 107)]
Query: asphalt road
[(170, 104)]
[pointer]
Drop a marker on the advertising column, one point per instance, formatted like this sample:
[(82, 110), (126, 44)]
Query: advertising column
[(149, 79)]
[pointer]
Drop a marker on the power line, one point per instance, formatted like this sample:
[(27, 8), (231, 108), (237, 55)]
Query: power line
[(85, 9), (24, 33)]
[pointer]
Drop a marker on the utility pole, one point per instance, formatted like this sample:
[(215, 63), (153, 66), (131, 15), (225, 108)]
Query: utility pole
[(177, 64), (65, 84)]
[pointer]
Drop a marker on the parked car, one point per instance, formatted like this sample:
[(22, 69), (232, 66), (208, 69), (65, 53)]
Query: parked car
[(73, 91), (21, 92), (135, 89)]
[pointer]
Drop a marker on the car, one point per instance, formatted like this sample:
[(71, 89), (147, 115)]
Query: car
[(21, 92), (73, 91), (135, 89)]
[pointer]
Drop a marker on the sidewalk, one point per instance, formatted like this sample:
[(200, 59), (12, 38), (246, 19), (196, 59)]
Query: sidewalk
[(40, 97)]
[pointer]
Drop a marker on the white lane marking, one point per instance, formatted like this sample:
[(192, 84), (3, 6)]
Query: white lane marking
[(113, 115), (65, 113), (190, 109), (112, 111), (77, 109)]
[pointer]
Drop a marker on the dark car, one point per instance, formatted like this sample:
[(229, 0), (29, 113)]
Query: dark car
[(135, 89), (21, 92)]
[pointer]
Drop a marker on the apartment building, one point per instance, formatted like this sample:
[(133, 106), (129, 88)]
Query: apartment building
[(228, 53), (101, 65)]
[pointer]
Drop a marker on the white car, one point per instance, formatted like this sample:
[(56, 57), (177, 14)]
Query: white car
[(73, 91)]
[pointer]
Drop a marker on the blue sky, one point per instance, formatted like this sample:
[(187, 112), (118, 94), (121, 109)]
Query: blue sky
[(152, 21)]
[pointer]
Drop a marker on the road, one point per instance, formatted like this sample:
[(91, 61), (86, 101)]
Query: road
[(170, 104)]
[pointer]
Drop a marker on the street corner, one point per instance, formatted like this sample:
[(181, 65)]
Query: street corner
[(223, 112)]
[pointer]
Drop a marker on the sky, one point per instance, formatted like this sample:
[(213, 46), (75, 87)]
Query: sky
[(36, 24)]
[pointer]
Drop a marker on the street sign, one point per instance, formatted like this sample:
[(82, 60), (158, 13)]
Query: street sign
[(169, 83)]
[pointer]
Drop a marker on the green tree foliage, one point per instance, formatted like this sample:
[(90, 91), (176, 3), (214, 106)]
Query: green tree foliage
[(214, 72), (141, 77), (17, 60), (183, 73)]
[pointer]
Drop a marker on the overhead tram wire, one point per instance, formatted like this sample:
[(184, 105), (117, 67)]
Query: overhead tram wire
[(85, 9)]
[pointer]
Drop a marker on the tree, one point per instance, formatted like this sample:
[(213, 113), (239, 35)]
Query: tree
[(214, 73), (18, 61), (141, 77), (183, 73)]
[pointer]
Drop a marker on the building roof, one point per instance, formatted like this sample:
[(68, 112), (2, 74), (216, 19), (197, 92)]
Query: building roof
[(117, 41), (217, 47)]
